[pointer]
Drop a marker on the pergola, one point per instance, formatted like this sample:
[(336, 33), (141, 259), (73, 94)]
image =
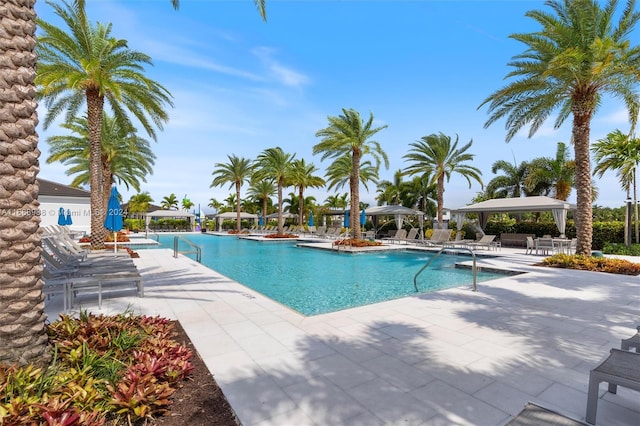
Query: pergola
[(166, 213), (558, 208), (233, 216), (398, 212)]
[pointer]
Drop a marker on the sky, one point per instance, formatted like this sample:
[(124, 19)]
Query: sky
[(241, 85)]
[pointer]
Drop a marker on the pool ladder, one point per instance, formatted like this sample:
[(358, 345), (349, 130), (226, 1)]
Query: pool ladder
[(197, 250), (474, 269)]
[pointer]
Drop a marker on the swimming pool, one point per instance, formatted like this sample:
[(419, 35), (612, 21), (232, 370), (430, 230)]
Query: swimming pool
[(313, 281)]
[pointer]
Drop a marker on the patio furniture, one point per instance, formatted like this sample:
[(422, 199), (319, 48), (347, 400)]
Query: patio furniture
[(487, 241), (621, 368), (536, 415), (531, 244), (544, 246), (632, 342)]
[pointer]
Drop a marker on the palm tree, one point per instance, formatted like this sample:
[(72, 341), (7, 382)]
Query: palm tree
[(349, 135), (139, 203), (578, 55), (22, 319), (337, 201), (275, 164), (237, 171), (262, 191), (87, 65), (435, 156), (126, 158), (557, 173), (511, 184), (303, 177), (186, 203), (418, 193), (169, 202), (215, 204), (621, 153), (22, 329), (390, 192)]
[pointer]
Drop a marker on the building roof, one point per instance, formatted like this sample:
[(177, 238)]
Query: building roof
[(50, 188)]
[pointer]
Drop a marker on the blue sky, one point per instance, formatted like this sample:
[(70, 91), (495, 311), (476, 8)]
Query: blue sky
[(241, 85)]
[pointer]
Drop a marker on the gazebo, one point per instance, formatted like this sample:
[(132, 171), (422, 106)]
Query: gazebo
[(166, 213), (558, 208), (233, 216), (398, 212)]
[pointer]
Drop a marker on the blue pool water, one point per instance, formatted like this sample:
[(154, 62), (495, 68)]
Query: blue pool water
[(313, 281)]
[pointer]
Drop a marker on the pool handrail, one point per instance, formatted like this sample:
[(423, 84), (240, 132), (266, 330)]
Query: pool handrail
[(197, 250), (474, 268)]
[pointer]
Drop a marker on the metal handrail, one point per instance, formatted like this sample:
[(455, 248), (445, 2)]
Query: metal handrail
[(197, 250), (474, 269)]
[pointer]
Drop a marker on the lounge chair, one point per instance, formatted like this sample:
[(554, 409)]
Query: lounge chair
[(486, 241), (537, 415), (410, 237), (621, 368), (400, 235), (439, 237)]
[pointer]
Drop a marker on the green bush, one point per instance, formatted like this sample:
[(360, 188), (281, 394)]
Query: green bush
[(618, 248)]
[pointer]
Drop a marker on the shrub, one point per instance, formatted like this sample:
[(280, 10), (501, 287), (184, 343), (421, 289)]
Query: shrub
[(615, 248), (120, 368), (597, 264)]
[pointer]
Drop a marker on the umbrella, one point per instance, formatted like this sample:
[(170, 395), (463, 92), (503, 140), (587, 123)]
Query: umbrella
[(62, 220), (113, 219), (261, 220), (363, 218), (68, 220), (346, 219), (311, 219)]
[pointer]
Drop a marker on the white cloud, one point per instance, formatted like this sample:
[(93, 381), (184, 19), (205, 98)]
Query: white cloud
[(284, 75)]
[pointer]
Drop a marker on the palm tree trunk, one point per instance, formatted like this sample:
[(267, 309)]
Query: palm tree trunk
[(22, 317), (264, 210), (238, 203), (355, 197), (584, 222), (280, 221), (300, 205), (95, 104), (635, 208), (440, 200)]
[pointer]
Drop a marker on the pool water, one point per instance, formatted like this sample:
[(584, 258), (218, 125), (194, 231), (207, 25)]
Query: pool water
[(313, 281)]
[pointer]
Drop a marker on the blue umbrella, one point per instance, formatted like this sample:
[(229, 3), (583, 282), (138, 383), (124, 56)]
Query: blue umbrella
[(62, 220), (113, 218), (68, 221), (261, 220), (363, 218), (311, 219), (346, 219)]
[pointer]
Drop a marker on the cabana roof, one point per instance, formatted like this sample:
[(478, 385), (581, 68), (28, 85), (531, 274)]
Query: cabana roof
[(524, 204), (234, 215), (391, 210), (169, 213)]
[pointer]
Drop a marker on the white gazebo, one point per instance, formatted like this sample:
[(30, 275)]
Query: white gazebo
[(398, 212), (558, 208), (220, 217), (176, 214)]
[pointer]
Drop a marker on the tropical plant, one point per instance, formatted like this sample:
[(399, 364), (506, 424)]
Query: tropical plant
[(215, 204), (139, 203), (169, 202), (578, 55), (557, 173), (186, 203), (348, 135), (337, 201), (86, 65), (237, 171), (22, 319), (390, 192), (418, 193), (511, 184), (437, 157), (275, 164), (262, 191), (621, 153), (126, 158), (303, 177)]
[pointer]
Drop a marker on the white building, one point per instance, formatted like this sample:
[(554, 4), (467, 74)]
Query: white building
[(54, 196)]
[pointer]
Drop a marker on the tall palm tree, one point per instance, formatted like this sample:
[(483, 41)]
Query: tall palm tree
[(578, 55), (349, 135), (510, 184), (22, 316), (262, 191), (139, 203), (437, 157), (86, 65), (275, 164), (169, 202), (621, 153), (557, 173), (237, 171), (126, 158), (303, 177)]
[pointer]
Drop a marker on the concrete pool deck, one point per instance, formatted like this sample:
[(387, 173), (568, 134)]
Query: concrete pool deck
[(452, 357)]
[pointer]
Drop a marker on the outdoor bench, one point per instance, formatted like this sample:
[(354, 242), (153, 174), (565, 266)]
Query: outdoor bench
[(514, 240)]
